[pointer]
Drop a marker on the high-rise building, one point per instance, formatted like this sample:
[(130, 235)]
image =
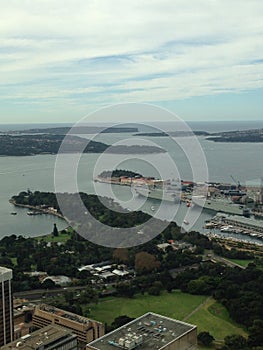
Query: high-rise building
[(6, 306), (86, 329)]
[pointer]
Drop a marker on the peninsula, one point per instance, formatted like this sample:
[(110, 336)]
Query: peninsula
[(81, 129), (173, 134), (28, 145), (252, 135)]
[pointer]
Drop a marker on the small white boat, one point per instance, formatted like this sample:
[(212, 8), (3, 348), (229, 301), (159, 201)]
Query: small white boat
[(33, 213)]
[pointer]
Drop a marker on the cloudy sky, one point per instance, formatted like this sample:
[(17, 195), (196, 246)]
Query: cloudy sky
[(59, 60)]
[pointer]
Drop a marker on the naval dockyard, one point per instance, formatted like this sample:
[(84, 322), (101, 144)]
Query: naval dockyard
[(238, 209)]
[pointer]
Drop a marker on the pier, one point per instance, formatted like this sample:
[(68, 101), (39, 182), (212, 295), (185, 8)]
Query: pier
[(238, 224)]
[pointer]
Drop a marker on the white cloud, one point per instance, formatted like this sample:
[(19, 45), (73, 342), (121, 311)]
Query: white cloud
[(119, 51)]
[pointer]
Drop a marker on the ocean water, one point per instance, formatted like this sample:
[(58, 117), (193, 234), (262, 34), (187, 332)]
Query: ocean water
[(243, 161)]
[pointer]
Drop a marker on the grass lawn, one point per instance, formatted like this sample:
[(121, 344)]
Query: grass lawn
[(176, 305), (241, 262), (214, 318), (205, 312)]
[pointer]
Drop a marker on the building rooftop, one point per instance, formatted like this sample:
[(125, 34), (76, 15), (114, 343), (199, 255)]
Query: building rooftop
[(150, 331), (61, 280), (41, 338), (5, 274), (65, 314)]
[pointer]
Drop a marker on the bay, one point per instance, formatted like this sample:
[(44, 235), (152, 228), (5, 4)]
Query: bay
[(242, 160)]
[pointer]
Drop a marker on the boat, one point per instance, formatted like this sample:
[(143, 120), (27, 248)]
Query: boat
[(13, 213), (33, 213), (228, 228), (169, 192), (210, 225), (219, 205)]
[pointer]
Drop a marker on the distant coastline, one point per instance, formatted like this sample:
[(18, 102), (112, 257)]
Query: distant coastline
[(29, 145), (254, 135), (63, 130), (248, 136), (173, 133)]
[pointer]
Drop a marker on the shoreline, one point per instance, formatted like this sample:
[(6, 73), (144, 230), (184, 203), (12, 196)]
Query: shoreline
[(42, 211), (211, 236), (37, 209), (233, 240)]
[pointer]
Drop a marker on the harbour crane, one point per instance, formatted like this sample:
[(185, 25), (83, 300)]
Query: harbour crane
[(236, 182), (261, 190)]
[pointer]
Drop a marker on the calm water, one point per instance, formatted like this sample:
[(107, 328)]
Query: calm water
[(243, 161)]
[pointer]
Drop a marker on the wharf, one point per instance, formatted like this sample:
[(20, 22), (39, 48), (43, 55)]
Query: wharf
[(238, 224)]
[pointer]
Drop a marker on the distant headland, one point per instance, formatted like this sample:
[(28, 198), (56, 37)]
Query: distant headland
[(79, 129), (28, 145), (252, 135)]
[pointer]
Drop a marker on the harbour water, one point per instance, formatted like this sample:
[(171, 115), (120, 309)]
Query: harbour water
[(242, 160)]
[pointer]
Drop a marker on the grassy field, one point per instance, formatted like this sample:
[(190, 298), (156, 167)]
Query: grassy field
[(176, 305), (214, 317), (241, 262), (205, 312)]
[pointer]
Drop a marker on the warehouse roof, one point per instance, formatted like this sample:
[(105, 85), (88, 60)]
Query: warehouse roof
[(150, 331)]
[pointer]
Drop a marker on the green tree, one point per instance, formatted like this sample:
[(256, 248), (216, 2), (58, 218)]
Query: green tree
[(69, 297), (155, 288), (202, 285), (146, 262), (125, 290), (55, 231), (121, 321), (205, 338), (121, 255), (90, 295), (48, 284), (235, 342), (256, 333)]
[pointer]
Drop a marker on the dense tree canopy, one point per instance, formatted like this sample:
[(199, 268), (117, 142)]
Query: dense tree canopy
[(146, 262), (205, 338)]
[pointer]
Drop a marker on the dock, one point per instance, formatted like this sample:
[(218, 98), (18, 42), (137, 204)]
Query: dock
[(238, 224)]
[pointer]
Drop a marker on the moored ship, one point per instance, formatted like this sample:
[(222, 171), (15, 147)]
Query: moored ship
[(169, 192), (219, 205)]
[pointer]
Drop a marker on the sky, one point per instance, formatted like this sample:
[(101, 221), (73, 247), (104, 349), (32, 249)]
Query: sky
[(60, 60)]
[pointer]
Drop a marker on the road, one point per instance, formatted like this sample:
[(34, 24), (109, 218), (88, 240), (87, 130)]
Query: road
[(216, 258), (37, 294)]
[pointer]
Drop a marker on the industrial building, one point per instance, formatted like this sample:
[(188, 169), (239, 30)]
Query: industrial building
[(86, 329), (149, 332), (47, 338), (6, 306)]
